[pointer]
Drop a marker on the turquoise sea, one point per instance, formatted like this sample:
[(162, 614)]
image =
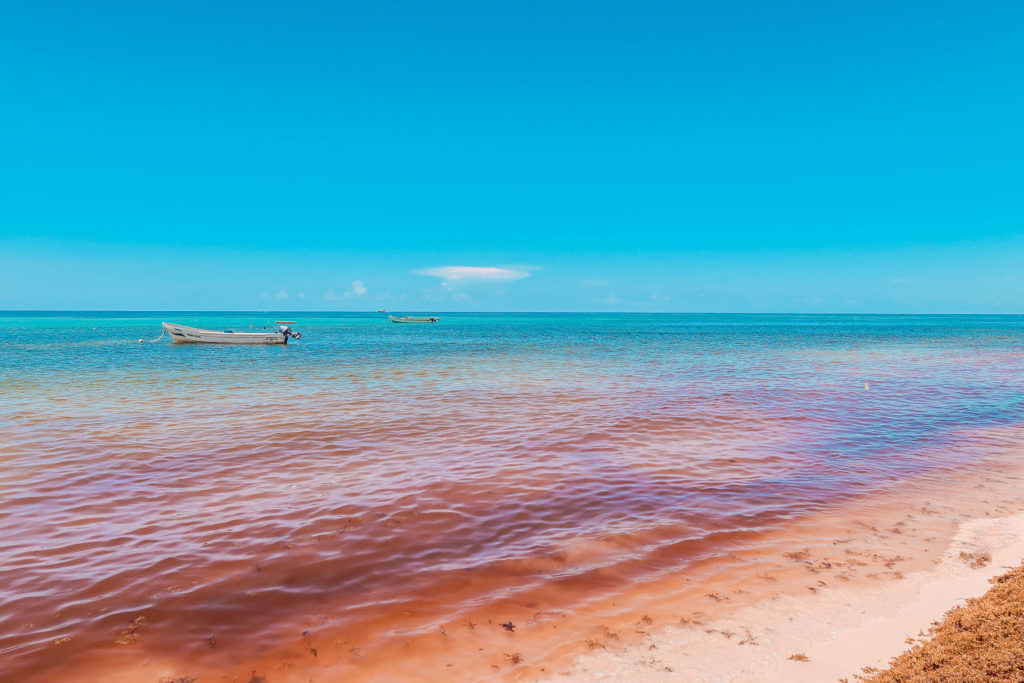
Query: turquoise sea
[(372, 470)]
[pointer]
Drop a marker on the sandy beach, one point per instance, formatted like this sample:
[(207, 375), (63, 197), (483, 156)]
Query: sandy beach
[(847, 629), (841, 634)]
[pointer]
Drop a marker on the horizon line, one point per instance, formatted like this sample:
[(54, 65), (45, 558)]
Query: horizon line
[(4, 311)]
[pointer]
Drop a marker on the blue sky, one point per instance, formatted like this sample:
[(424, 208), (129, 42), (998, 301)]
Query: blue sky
[(670, 156)]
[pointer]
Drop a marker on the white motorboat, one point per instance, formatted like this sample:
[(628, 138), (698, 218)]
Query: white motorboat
[(183, 334), (413, 319)]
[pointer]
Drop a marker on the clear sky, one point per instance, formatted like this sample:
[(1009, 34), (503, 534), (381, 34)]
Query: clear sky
[(656, 156)]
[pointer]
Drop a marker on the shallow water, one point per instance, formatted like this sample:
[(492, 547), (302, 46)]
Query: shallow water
[(233, 498)]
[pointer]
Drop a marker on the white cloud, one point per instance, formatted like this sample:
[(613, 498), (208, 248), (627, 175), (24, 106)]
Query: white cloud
[(301, 295), (354, 292), (283, 294), (610, 299), (898, 280), (490, 273), (656, 296), (594, 283)]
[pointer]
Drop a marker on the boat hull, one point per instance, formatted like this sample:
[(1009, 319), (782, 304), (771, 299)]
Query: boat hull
[(182, 334), (412, 319)]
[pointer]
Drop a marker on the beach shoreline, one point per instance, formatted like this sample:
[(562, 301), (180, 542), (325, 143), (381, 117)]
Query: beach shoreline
[(834, 632), (839, 590), (846, 634)]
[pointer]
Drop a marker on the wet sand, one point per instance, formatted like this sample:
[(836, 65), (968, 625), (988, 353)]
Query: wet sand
[(865, 597)]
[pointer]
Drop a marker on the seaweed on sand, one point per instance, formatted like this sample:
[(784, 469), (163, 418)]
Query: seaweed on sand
[(980, 641)]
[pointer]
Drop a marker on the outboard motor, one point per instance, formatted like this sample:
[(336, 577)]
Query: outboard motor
[(287, 332)]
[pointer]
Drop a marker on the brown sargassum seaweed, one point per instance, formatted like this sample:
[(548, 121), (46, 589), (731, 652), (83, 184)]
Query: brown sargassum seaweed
[(981, 641)]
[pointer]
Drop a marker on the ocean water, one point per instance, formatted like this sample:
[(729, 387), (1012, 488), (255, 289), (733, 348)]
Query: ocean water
[(211, 506)]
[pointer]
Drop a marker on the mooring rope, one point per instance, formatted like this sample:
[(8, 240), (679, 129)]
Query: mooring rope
[(153, 341)]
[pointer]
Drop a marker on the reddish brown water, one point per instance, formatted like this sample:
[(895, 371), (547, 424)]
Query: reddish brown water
[(382, 502)]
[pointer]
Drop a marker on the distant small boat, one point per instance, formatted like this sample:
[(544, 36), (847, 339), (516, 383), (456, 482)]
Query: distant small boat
[(413, 319), (193, 335)]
